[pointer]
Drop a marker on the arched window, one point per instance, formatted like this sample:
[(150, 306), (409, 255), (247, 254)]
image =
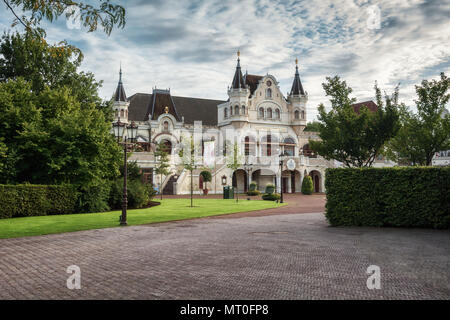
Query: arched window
[(289, 146), (303, 114), (307, 151), (166, 126), (277, 114), (116, 113), (121, 113), (231, 111), (297, 114), (236, 110), (269, 93), (250, 146), (268, 143), (225, 113), (126, 114), (269, 113), (261, 113), (243, 110)]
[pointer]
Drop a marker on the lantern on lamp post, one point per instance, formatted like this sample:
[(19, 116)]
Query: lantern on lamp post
[(127, 132)]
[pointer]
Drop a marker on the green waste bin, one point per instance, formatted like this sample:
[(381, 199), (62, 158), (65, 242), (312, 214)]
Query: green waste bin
[(228, 192)]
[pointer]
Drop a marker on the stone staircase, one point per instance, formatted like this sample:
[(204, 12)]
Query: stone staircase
[(168, 188)]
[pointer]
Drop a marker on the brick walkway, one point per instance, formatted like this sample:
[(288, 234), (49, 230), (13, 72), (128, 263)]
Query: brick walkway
[(288, 256)]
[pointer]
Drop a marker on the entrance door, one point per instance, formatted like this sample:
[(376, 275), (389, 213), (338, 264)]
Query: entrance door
[(285, 182), (316, 183), (292, 181)]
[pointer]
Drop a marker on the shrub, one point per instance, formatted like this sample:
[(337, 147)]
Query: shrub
[(253, 193), (307, 185), (271, 196), (207, 177), (139, 194), (93, 198), (270, 188), (36, 200), (253, 186), (400, 197)]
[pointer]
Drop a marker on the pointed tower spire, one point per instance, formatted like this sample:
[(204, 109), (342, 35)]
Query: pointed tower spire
[(297, 88), (238, 80), (120, 91)]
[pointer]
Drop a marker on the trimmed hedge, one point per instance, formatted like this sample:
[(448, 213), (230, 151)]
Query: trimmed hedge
[(36, 200), (271, 196), (398, 197)]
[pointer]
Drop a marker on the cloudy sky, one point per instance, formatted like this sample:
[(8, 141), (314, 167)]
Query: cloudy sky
[(190, 46)]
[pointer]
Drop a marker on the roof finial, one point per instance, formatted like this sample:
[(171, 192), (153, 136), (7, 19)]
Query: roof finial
[(296, 61), (120, 72), (238, 53)]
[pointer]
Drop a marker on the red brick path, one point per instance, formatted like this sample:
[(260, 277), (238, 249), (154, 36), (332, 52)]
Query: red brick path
[(296, 203)]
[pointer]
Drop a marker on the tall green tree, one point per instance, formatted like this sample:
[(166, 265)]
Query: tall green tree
[(426, 132), (162, 167), (91, 15), (51, 66), (188, 161), (355, 139)]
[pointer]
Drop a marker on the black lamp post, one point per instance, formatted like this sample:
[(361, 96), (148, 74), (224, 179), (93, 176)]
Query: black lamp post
[(281, 155), (121, 130), (248, 169)]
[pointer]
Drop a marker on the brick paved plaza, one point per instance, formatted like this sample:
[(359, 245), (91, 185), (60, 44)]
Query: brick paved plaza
[(280, 255)]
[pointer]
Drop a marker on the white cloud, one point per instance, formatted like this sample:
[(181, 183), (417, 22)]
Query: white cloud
[(190, 46)]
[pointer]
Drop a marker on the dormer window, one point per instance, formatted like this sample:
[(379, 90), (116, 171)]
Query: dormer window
[(166, 126), (269, 93)]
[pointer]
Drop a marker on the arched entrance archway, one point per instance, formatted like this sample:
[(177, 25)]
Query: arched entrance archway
[(263, 177), (317, 180), (240, 181)]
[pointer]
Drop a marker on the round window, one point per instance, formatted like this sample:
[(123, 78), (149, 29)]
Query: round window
[(269, 83)]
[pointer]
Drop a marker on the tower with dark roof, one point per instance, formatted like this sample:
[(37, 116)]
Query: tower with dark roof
[(297, 99), (238, 94), (120, 102)]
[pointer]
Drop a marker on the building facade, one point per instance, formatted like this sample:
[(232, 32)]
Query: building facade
[(257, 120)]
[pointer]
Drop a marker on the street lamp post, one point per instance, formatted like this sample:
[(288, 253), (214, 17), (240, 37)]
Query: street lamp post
[(248, 169), (281, 155), (121, 130)]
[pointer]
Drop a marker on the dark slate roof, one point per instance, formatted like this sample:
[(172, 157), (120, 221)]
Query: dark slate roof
[(192, 109), (238, 79), (297, 88), (120, 91), (252, 81), (161, 100), (372, 106)]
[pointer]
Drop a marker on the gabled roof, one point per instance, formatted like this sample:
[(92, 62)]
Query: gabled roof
[(162, 103), (252, 81), (192, 109), (372, 106), (120, 95)]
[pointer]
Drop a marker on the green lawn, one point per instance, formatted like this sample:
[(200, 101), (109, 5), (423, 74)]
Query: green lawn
[(170, 209)]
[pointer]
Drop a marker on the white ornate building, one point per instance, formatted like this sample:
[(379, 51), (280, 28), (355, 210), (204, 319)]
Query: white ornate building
[(257, 117)]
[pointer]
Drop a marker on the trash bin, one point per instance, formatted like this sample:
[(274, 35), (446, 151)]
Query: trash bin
[(226, 192)]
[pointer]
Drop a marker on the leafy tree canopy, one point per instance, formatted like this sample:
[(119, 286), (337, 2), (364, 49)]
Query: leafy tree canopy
[(100, 13), (423, 134), (355, 139), (312, 126)]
